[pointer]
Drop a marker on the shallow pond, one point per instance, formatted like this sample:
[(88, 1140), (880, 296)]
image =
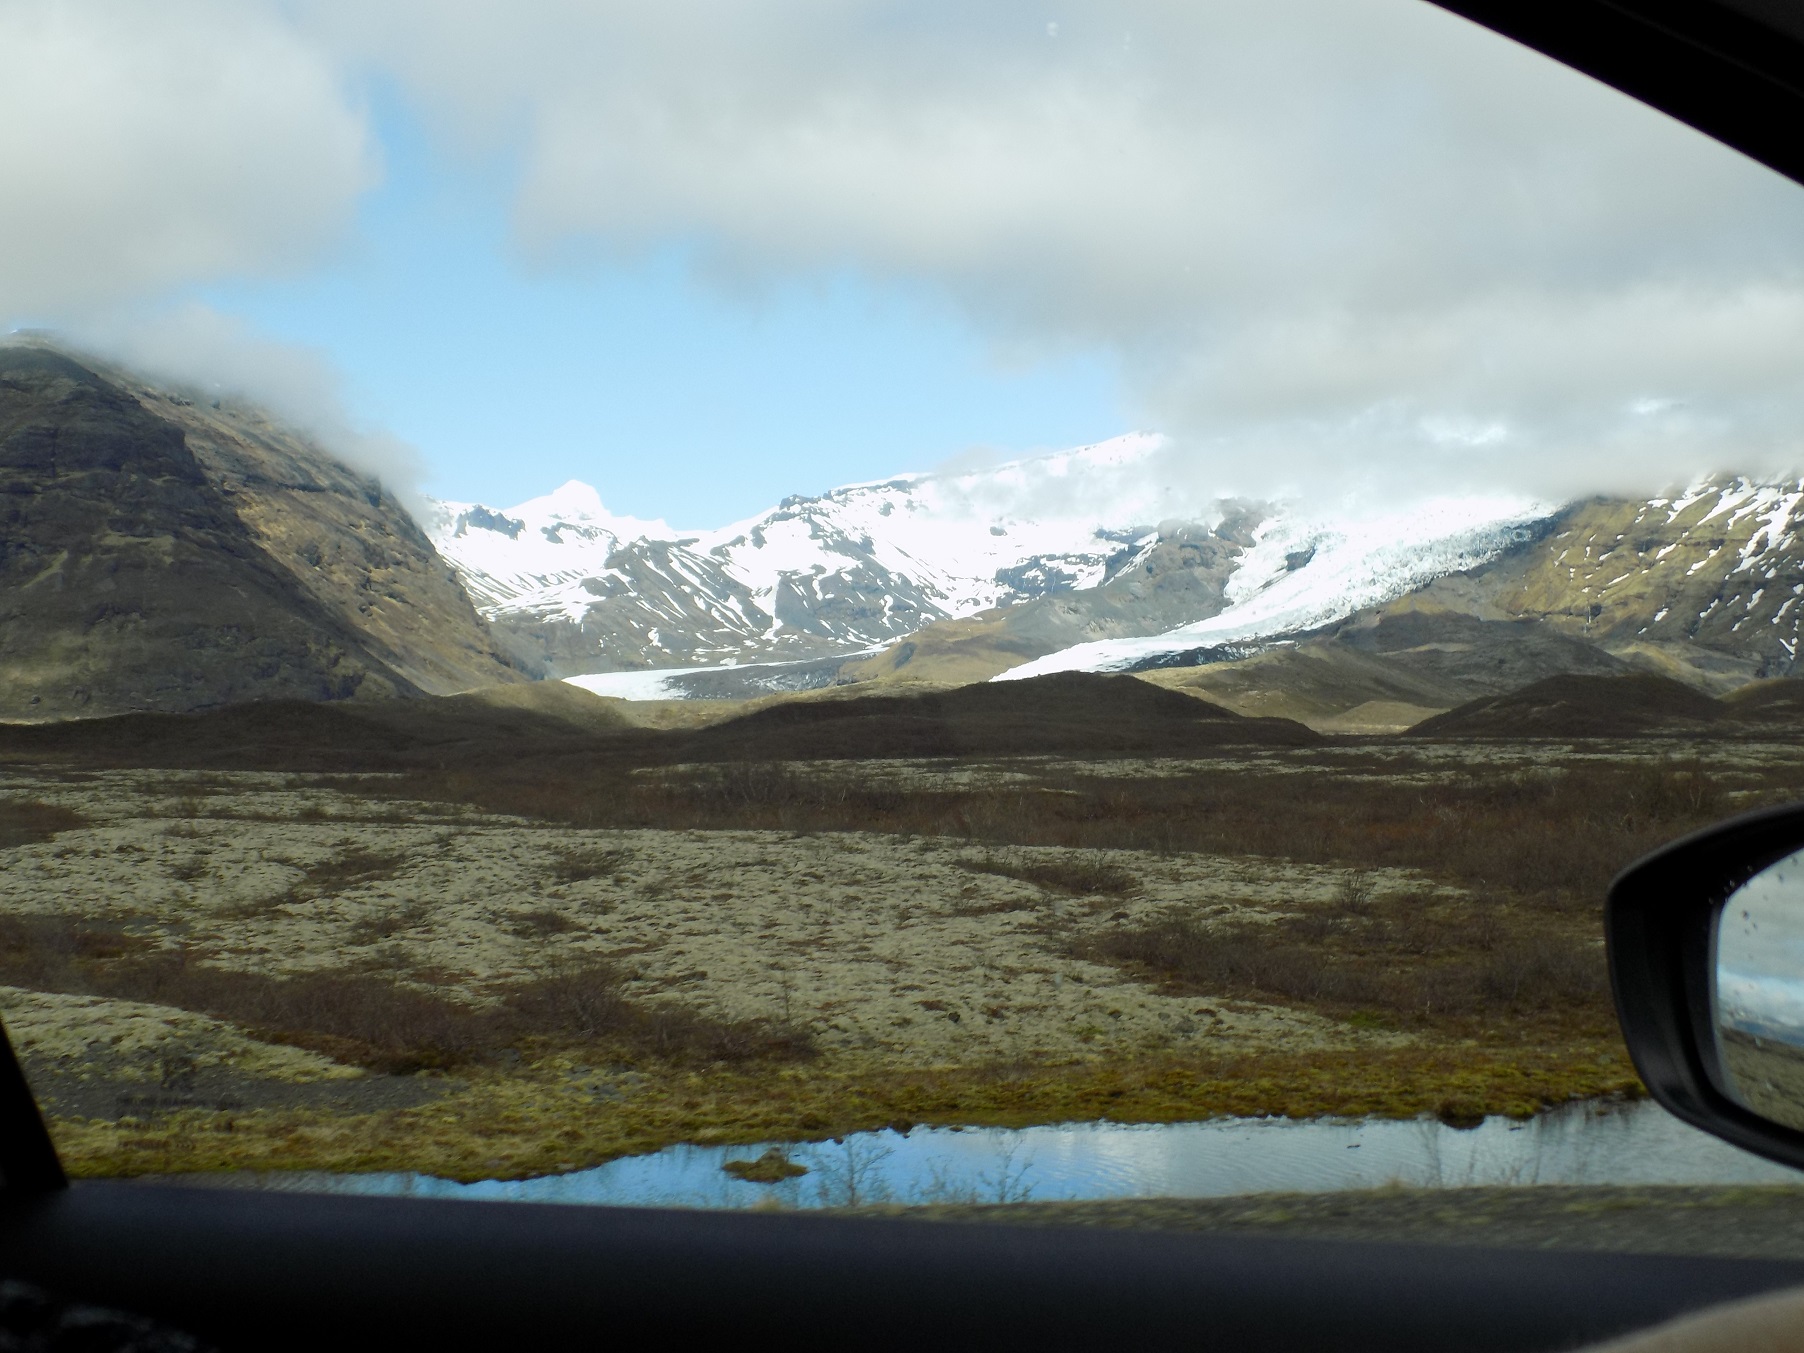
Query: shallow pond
[(1583, 1144)]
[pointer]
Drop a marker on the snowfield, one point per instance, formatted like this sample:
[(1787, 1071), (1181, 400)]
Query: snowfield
[(535, 556)]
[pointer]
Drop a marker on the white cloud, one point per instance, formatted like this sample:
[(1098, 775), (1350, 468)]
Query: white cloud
[(1320, 233), (149, 146), (195, 347)]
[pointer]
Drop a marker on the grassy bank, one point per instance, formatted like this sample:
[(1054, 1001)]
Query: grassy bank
[(556, 1117)]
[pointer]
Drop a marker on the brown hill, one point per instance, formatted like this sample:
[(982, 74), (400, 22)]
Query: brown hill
[(1775, 703), (162, 554), (1067, 713), (474, 729), (1581, 707), (1385, 670)]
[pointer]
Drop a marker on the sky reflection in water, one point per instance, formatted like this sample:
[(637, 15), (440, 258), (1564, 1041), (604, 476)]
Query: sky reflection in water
[(1585, 1144)]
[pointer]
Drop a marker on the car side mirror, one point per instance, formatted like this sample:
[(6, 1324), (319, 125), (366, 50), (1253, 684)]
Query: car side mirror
[(1706, 947)]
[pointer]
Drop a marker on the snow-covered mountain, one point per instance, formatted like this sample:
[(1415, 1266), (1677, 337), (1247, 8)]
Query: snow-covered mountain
[(1093, 559), (1711, 578), (576, 589)]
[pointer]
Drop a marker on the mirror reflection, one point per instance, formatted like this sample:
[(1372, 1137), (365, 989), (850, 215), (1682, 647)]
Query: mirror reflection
[(1760, 991)]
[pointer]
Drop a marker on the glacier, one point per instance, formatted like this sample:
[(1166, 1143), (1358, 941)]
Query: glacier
[(1307, 572)]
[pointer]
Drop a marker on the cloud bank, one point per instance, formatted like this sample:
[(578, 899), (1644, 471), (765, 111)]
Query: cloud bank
[(194, 347), (1330, 242), (147, 147)]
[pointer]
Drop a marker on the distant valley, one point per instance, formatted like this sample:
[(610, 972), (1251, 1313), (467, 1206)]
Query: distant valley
[(342, 886), (1365, 621), (164, 551)]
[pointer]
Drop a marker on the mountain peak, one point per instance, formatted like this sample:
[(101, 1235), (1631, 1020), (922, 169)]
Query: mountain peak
[(572, 500)]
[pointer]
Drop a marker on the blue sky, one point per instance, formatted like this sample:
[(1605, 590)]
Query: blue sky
[(697, 402)]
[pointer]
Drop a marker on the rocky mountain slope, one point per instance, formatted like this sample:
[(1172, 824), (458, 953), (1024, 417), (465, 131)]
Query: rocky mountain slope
[(1708, 580), (163, 553)]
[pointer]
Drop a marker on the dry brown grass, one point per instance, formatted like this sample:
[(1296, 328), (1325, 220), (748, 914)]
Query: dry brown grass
[(1425, 968), (1489, 959), (1558, 832), (1509, 950), (380, 1020), (1082, 875), (25, 822)]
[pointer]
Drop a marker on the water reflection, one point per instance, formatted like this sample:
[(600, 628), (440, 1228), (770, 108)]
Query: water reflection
[(1585, 1144)]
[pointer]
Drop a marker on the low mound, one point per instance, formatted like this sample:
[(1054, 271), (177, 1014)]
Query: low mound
[(248, 736), (341, 735), (1581, 707), (1377, 717), (1066, 713), (1776, 703), (536, 700)]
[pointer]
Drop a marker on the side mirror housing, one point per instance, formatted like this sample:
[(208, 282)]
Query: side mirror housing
[(1706, 949)]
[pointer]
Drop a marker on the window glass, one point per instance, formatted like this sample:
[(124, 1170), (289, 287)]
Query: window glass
[(802, 605)]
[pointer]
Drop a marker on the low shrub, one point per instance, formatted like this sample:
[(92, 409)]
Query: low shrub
[(592, 862), (377, 1020), (26, 822), (1317, 961), (541, 923), (1083, 874), (587, 1001)]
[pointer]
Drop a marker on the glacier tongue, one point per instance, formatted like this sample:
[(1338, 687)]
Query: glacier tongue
[(1306, 572)]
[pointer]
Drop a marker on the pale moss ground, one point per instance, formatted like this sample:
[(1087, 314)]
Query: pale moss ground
[(882, 946), (936, 993), (135, 1041)]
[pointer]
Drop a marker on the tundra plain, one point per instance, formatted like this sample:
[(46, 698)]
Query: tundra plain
[(482, 961)]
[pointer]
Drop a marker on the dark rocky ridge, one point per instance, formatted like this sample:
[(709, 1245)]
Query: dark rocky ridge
[(157, 554)]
